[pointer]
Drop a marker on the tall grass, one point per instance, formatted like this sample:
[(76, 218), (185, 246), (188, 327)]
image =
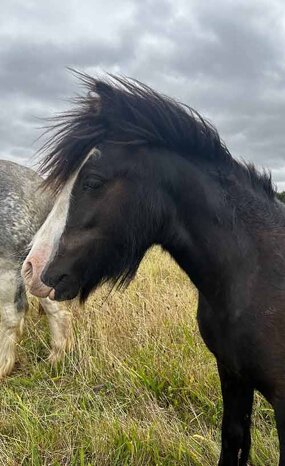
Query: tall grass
[(140, 387)]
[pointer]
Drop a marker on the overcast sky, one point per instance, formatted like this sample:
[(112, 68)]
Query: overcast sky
[(224, 58)]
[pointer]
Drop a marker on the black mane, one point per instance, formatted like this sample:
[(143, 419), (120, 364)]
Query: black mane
[(124, 111)]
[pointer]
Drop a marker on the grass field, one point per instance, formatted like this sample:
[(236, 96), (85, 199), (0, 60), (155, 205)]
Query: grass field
[(140, 387)]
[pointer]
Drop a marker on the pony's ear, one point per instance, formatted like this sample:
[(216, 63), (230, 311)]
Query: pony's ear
[(103, 89), (110, 101), (107, 95), (99, 94)]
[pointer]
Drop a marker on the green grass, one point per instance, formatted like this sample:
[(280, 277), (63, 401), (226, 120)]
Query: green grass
[(140, 387)]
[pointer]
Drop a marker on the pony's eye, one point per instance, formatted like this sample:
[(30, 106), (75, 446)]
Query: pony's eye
[(92, 184)]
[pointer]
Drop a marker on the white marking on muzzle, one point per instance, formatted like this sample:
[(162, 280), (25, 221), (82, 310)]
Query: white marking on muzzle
[(46, 241)]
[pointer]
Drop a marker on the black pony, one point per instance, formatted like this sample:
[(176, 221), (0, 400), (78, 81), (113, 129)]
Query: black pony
[(134, 168)]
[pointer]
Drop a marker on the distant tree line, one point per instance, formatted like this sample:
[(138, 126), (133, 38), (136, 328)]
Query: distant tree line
[(281, 196)]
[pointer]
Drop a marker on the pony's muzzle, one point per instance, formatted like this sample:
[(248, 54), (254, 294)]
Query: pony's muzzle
[(62, 285)]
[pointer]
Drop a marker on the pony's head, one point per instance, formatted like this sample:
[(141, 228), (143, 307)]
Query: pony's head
[(111, 163)]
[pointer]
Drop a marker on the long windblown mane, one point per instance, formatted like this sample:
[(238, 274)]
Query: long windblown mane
[(125, 111)]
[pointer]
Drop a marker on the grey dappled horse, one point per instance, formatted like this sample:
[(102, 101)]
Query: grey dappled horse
[(23, 208)]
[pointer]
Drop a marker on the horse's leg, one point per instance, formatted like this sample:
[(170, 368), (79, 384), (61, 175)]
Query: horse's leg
[(279, 408), (13, 304), (237, 398), (60, 323)]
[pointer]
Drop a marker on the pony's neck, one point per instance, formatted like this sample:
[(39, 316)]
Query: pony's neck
[(205, 236)]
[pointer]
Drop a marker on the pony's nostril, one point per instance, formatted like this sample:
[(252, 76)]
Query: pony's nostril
[(28, 270)]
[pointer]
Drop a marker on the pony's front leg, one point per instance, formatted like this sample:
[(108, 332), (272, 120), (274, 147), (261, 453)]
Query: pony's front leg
[(13, 305), (238, 399), (60, 323)]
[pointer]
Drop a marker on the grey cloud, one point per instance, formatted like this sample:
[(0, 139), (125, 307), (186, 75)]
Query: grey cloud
[(225, 59)]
